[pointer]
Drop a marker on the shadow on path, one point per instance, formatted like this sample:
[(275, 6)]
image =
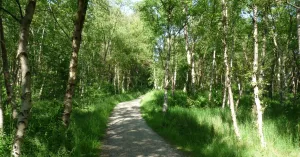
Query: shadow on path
[(129, 135)]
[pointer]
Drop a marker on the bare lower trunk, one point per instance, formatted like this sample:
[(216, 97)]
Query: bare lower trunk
[(227, 71), (174, 76), (188, 54), (166, 81), (296, 56), (254, 79), (263, 54), (6, 73), (193, 74), (25, 80), (115, 79), (155, 79), (123, 84), (128, 80), (212, 75), (82, 7), (240, 93), (1, 112), (118, 80), (224, 92)]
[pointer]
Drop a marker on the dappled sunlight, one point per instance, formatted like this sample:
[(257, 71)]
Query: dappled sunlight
[(128, 134), (208, 131)]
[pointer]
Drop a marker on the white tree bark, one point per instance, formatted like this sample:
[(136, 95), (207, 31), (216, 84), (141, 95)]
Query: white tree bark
[(25, 79), (76, 42), (188, 52), (259, 109), (166, 81), (227, 71), (212, 75)]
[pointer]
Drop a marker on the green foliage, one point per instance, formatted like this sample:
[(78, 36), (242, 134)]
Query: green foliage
[(208, 131), (46, 136)]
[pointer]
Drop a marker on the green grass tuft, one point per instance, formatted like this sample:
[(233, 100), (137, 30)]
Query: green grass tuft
[(208, 131), (46, 136)]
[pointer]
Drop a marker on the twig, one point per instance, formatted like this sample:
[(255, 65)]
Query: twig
[(12, 15), (54, 17), (20, 8)]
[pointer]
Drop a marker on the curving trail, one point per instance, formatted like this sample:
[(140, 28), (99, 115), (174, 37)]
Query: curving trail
[(129, 136)]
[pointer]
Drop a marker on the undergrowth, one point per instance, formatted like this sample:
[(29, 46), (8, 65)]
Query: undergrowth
[(200, 130), (46, 137)]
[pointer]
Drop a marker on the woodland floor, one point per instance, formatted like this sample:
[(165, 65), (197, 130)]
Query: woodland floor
[(128, 135)]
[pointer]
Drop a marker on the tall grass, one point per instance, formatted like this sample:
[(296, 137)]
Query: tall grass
[(205, 131), (45, 135)]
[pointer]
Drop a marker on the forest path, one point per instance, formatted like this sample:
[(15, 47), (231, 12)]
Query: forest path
[(129, 136)]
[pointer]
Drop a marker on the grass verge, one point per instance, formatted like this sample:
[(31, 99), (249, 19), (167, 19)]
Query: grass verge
[(208, 131), (45, 135)]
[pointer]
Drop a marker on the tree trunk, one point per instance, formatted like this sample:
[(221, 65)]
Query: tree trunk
[(227, 72), (118, 80), (128, 80), (212, 75), (1, 111), (6, 73), (82, 7), (224, 91), (155, 79), (22, 54), (188, 53), (240, 93), (166, 81), (193, 74), (115, 79), (123, 83), (254, 79), (174, 74), (263, 54), (296, 56)]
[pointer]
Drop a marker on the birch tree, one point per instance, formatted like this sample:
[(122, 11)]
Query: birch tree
[(76, 41), (227, 70), (22, 54), (257, 101)]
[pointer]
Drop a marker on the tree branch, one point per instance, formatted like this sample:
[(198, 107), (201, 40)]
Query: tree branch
[(20, 8), (54, 17), (12, 15)]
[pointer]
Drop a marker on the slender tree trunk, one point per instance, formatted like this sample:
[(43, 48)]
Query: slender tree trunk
[(224, 91), (118, 80), (263, 54), (296, 56), (240, 93), (166, 82), (25, 80), (212, 75), (128, 80), (1, 111), (82, 7), (6, 73), (193, 74), (115, 79), (174, 74), (227, 74), (254, 79), (188, 52), (123, 83), (42, 88), (155, 79)]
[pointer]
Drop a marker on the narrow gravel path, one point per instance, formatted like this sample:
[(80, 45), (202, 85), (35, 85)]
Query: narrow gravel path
[(129, 136)]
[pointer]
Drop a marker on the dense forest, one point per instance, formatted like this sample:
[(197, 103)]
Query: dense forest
[(219, 77)]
